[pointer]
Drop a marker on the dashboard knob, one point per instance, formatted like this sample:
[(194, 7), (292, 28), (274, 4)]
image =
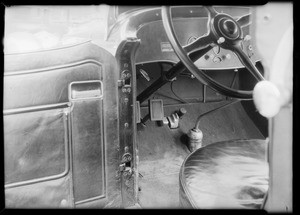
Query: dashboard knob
[(227, 56), (181, 112), (217, 60)]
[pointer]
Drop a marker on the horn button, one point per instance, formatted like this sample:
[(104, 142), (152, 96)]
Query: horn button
[(229, 28)]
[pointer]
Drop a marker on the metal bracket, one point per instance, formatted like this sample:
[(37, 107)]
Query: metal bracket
[(125, 166), (121, 83), (126, 158), (122, 167), (173, 121)]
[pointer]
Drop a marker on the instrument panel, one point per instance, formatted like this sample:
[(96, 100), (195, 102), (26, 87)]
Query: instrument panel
[(156, 47)]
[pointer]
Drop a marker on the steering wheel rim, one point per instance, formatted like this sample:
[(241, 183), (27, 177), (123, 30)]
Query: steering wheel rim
[(224, 31)]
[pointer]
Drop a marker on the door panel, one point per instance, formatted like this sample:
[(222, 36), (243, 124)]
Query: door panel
[(45, 87), (61, 128), (48, 194), (35, 139)]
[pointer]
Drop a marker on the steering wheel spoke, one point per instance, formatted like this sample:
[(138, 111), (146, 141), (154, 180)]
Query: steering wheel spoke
[(211, 11), (244, 21), (199, 44), (237, 49)]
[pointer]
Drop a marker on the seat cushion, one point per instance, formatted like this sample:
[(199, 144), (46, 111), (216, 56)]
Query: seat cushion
[(230, 174)]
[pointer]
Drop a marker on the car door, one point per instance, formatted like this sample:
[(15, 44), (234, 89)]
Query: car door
[(60, 113)]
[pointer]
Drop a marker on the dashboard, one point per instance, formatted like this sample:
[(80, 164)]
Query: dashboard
[(155, 46)]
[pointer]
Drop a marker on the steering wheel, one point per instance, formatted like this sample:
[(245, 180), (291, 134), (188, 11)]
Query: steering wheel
[(223, 31)]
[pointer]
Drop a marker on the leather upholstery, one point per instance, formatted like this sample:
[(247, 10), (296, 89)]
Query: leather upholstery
[(230, 174), (54, 153)]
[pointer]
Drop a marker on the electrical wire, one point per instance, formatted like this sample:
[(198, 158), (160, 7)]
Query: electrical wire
[(181, 99), (197, 124)]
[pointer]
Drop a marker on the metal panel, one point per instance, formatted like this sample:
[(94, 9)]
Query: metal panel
[(186, 29), (187, 88)]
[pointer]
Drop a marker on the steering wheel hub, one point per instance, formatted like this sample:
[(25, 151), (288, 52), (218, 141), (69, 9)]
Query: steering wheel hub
[(225, 26), (229, 28)]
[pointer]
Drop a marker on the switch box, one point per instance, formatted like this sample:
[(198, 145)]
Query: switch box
[(156, 109)]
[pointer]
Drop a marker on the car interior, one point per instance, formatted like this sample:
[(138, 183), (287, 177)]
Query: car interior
[(148, 107)]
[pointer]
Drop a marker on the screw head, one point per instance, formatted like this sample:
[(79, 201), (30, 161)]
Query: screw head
[(247, 38)]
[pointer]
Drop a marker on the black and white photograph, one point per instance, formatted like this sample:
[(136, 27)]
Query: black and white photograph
[(110, 106)]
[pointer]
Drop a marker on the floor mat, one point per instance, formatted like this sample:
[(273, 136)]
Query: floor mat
[(159, 183)]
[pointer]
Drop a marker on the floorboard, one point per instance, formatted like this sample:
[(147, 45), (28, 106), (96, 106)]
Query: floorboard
[(162, 150)]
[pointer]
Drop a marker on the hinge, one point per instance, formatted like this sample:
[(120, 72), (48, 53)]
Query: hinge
[(121, 83), (122, 167), (125, 165)]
